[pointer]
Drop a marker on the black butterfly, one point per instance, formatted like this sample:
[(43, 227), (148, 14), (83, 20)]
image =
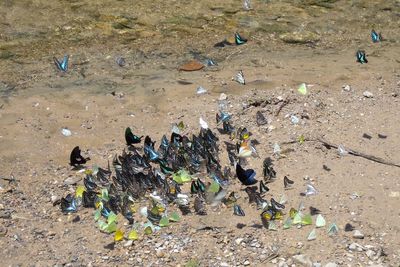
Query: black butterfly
[(130, 138), (287, 182), (237, 210), (263, 188), (268, 171), (89, 183), (239, 40), (361, 57), (199, 206), (76, 158), (348, 227), (247, 177), (68, 204), (149, 142), (276, 206), (314, 211), (89, 199), (376, 37), (260, 119), (222, 44), (62, 65)]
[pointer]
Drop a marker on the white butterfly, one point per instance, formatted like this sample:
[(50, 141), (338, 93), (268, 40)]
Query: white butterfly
[(246, 5), (203, 124), (311, 190), (240, 78)]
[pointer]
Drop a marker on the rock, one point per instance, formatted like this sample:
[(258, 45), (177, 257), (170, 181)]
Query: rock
[(246, 263), (331, 264), (54, 199), (302, 37), (222, 97), (238, 241), (224, 264), (128, 243), (4, 214), (317, 264), (72, 180), (370, 254), (368, 94), (358, 235), (303, 260), (346, 88)]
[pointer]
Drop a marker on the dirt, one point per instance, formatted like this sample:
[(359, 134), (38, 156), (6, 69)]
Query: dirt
[(97, 99)]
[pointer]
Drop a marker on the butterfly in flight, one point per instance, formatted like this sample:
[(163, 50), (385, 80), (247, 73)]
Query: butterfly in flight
[(361, 57), (62, 65)]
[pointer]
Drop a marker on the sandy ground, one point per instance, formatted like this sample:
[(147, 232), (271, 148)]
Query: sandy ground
[(149, 99)]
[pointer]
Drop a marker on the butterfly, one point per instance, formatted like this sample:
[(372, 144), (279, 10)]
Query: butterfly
[(130, 138), (223, 117), (222, 44), (263, 188), (62, 65), (245, 150), (197, 186), (239, 40), (268, 171), (237, 210), (361, 57), (199, 206), (376, 37), (348, 227), (287, 182), (260, 119), (227, 127), (89, 199), (310, 190), (68, 204), (89, 183), (76, 158), (239, 77), (246, 177), (276, 205), (246, 5)]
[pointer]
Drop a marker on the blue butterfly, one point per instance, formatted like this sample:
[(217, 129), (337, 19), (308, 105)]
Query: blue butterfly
[(247, 177), (68, 204), (361, 57), (62, 65), (239, 39), (223, 117), (149, 151), (376, 37)]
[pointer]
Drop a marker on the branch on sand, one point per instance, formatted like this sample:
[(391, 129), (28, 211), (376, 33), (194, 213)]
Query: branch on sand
[(353, 152)]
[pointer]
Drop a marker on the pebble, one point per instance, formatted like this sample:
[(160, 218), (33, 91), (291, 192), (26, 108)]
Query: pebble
[(66, 132), (246, 263), (331, 264), (370, 253), (346, 88), (72, 180), (358, 235), (303, 260), (368, 94), (238, 241), (128, 243), (224, 264), (222, 97)]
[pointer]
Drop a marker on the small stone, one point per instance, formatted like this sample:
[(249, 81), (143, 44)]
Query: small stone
[(222, 97), (370, 254), (303, 260), (224, 264), (358, 235), (54, 199), (246, 263), (128, 243), (346, 88), (353, 246), (317, 264), (66, 132), (368, 94), (331, 264), (238, 241), (72, 180)]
